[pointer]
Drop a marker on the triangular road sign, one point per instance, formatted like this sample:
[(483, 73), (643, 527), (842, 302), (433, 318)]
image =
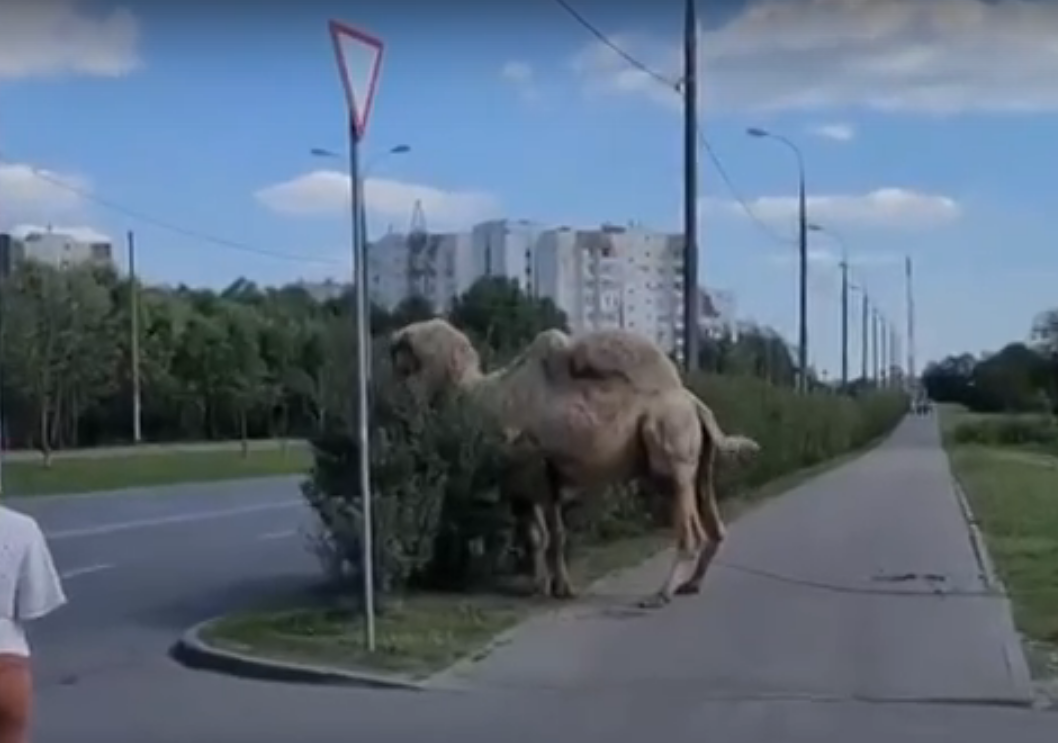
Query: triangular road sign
[(359, 57)]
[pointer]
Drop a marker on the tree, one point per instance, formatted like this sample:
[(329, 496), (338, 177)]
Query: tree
[(495, 311)]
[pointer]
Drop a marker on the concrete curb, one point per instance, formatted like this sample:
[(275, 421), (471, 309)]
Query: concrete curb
[(1013, 651), (977, 541), (192, 651)]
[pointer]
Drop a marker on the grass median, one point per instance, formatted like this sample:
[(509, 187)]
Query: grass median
[(89, 474), (420, 634), (1013, 492)]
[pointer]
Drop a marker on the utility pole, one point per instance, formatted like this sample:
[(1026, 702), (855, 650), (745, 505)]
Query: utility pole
[(844, 323), (690, 187), (134, 340), (894, 355), (883, 340), (865, 334), (911, 381), (802, 239), (874, 344)]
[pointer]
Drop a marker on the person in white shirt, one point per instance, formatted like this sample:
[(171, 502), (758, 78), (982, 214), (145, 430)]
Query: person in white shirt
[(30, 588)]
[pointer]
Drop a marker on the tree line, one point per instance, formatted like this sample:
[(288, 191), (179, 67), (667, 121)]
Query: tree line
[(243, 362), (1019, 378)]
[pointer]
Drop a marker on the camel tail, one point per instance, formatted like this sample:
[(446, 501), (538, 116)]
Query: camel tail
[(724, 443)]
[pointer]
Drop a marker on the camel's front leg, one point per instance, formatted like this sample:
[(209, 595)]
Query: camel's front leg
[(539, 542), (561, 586)]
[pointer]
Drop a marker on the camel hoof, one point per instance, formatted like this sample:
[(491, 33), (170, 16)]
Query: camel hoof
[(542, 589), (655, 601), (564, 592), (689, 589)]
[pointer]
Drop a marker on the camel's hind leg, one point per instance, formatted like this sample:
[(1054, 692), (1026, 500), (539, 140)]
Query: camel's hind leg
[(689, 536), (673, 440), (712, 522)]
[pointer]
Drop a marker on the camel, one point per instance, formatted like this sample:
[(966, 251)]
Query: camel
[(603, 408)]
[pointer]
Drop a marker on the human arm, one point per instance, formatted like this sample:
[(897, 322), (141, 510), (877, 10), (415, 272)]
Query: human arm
[(39, 590)]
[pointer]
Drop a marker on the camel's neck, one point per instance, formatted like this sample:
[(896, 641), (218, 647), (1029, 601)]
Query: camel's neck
[(471, 378)]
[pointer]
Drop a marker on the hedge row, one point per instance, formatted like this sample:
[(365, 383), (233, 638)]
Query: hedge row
[(1038, 431), (441, 522)]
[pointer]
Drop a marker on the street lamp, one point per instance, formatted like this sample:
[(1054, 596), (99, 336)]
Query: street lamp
[(802, 243), (844, 264), (399, 149)]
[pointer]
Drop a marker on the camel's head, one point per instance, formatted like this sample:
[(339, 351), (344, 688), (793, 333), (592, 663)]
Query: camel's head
[(434, 354)]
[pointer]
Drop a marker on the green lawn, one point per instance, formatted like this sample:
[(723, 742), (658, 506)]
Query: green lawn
[(86, 474), (1014, 495), (417, 634)]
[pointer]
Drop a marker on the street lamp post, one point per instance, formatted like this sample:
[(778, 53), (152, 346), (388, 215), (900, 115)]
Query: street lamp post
[(802, 244), (399, 149), (844, 300), (361, 216)]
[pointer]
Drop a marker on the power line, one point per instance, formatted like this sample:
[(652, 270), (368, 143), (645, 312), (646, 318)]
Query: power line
[(674, 85), (166, 225), (736, 194)]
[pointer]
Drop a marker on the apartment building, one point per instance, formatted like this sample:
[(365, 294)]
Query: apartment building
[(441, 266), (609, 277), (616, 277), (58, 249)]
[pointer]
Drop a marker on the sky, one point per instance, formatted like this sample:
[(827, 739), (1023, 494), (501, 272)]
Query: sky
[(923, 127)]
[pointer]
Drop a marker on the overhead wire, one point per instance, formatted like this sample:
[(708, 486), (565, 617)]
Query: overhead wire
[(187, 232), (675, 86)]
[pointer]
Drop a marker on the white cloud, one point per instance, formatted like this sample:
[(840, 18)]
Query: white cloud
[(942, 56), (79, 233), (837, 132), (53, 37), (884, 207), (326, 193), (29, 191), (522, 77), (518, 72)]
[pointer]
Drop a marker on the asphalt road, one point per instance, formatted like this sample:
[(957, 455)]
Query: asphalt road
[(752, 659), (139, 567)]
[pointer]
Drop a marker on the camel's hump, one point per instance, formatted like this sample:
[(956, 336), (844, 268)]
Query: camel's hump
[(624, 354)]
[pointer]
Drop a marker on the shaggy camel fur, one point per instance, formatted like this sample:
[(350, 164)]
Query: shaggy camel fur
[(603, 408)]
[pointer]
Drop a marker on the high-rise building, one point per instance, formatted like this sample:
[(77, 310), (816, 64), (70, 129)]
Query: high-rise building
[(436, 266), (506, 247), (609, 277), (615, 277), (57, 249)]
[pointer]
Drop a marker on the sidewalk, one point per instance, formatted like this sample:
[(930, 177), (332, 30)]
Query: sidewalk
[(845, 589)]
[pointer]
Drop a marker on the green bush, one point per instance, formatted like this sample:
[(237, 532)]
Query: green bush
[(794, 430), (435, 480), (1009, 430), (438, 472)]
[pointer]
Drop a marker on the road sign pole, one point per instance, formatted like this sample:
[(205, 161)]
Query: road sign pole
[(358, 104), (363, 339)]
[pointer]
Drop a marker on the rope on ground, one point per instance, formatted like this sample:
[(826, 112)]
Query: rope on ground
[(862, 590)]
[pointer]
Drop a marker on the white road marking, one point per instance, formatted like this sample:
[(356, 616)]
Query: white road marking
[(286, 533), (87, 570), (183, 518)]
